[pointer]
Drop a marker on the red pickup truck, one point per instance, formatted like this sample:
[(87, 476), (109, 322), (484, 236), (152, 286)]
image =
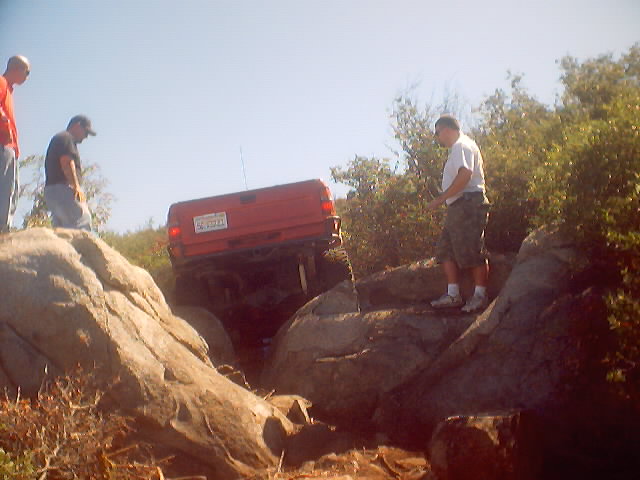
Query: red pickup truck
[(256, 252)]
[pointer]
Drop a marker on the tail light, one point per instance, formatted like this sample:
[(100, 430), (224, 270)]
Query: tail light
[(174, 233), (173, 227), (326, 202)]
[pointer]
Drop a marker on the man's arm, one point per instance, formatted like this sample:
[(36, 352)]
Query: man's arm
[(458, 184), (5, 128), (69, 169)]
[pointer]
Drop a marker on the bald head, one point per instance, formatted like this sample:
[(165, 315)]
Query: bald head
[(18, 61), (18, 68)]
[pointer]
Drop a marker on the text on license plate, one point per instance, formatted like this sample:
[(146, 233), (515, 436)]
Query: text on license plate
[(210, 222)]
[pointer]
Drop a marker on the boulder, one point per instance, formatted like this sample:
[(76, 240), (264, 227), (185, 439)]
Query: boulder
[(70, 299), (294, 407), (420, 282), (210, 328), (342, 299), (402, 369), (343, 360), (498, 446), (524, 352)]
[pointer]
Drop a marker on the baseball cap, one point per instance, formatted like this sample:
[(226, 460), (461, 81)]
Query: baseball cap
[(84, 121)]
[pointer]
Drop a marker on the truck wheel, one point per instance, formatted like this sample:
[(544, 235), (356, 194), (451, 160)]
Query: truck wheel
[(191, 291), (334, 267)]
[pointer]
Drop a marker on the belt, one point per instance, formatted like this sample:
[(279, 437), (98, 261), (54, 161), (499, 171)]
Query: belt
[(467, 195)]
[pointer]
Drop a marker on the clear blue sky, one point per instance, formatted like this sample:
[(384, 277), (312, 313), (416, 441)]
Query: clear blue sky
[(176, 88)]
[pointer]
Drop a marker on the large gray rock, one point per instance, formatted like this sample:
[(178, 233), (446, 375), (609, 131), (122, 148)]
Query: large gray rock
[(420, 282), (524, 352), (210, 328), (497, 446), (68, 299), (403, 369), (344, 361)]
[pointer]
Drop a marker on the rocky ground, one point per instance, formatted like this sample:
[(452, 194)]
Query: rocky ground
[(382, 463), (466, 391)]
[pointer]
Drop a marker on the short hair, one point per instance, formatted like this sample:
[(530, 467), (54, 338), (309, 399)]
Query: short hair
[(17, 61), (448, 121)]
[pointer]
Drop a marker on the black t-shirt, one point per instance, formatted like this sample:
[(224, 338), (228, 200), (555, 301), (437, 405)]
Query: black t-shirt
[(61, 144)]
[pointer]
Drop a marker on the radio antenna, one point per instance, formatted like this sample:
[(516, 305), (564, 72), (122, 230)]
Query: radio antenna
[(244, 173)]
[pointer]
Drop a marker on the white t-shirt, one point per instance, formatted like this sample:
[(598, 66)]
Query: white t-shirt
[(464, 153)]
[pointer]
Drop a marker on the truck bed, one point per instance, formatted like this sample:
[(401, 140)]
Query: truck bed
[(260, 217)]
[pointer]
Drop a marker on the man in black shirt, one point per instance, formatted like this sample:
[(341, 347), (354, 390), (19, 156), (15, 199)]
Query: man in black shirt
[(63, 171)]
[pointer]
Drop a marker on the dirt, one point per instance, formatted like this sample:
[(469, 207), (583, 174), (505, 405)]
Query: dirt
[(382, 463), (379, 463)]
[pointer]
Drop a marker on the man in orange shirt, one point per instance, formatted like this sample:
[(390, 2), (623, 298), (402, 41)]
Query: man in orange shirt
[(17, 71)]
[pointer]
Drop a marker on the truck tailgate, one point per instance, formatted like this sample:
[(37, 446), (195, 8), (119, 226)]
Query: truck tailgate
[(252, 218)]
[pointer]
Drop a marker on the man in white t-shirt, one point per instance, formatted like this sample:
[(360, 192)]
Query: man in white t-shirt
[(461, 244)]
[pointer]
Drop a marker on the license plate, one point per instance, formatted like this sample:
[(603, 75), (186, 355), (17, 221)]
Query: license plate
[(210, 222)]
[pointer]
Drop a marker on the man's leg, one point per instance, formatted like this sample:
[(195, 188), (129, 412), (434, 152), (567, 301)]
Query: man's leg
[(452, 298), (66, 211), (8, 181), (475, 255), (445, 254), (84, 221), (450, 269), (54, 198), (481, 275), (479, 300)]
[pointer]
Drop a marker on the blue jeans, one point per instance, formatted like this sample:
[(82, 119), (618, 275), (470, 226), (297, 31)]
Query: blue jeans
[(66, 211), (9, 183)]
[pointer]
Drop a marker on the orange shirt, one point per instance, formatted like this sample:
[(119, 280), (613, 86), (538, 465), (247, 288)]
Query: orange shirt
[(8, 131)]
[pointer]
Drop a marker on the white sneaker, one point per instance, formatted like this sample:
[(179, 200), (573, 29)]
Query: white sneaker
[(476, 303), (447, 301)]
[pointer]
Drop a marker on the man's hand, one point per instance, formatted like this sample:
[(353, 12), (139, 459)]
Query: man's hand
[(462, 178), (68, 166), (79, 195), (435, 203)]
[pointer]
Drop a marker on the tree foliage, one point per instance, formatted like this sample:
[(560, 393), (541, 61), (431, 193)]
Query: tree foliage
[(590, 185), (515, 135), (33, 191), (93, 183), (146, 248), (412, 129), (385, 226), (575, 164), (386, 223)]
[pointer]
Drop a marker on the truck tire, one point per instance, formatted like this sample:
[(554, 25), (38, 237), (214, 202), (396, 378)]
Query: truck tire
[(191, 291), (334, 267)]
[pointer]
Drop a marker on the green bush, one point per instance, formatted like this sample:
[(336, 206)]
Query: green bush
[(384, 220), (16, 467), (575, 165), (515, 136), (146, 248), (590, 186)]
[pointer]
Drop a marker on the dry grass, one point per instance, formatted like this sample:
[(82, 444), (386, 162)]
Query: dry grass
[(61, 434), (382, 463)]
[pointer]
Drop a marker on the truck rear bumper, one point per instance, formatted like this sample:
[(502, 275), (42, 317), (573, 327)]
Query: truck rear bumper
[(238, 258)]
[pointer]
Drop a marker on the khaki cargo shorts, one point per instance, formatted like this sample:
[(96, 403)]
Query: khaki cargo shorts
[(462, 238)]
